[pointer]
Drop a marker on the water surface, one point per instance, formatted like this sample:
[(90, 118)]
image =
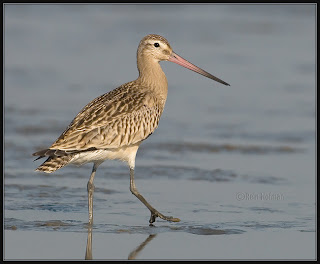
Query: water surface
[(236, 164)]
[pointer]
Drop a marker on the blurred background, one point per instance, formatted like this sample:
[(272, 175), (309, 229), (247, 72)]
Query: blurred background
[(218, 151)]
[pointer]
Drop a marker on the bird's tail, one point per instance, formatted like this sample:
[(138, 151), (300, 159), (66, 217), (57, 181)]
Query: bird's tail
[(53, 162)]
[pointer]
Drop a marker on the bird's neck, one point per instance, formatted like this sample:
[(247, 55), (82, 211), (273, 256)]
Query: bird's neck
[(152, 76)]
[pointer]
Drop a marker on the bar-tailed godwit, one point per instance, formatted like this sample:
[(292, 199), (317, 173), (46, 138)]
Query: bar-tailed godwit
[(113, 125)]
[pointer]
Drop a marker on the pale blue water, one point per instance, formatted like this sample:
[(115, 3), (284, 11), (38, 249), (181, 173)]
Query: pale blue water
[(236, 164)]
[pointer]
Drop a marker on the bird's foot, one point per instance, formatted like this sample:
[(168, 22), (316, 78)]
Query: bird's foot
[(156, 214)]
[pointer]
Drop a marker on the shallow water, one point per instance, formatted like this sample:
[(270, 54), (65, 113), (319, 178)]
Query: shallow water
[(236, 164)]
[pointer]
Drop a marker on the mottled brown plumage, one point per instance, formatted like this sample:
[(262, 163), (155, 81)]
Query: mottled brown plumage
[(113, 125)]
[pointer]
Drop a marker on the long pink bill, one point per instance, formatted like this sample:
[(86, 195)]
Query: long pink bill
[(181, 61)]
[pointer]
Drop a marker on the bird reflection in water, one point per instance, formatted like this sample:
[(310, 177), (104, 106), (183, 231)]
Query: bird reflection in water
[(133, 254), (89, 244)]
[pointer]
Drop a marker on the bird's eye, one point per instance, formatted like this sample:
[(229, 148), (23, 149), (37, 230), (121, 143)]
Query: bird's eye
[(156, 44)]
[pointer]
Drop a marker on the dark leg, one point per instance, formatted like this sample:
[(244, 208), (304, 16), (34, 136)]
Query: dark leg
[(154, 212), (90, 189)]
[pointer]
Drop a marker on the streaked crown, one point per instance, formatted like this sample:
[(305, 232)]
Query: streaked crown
[(155, 47)]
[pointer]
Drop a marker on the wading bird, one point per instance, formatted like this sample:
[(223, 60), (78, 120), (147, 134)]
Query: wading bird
[(113, 125)]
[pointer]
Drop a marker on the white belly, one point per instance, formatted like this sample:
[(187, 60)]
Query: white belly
[(127, 154)]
